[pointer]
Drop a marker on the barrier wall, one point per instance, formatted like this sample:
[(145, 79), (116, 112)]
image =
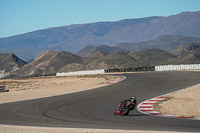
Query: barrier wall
[(177, 67), (81, 72), (130, 69), (137, 69)]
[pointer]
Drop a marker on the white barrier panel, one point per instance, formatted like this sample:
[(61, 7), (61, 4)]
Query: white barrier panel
[(177, 67), (81, 72)]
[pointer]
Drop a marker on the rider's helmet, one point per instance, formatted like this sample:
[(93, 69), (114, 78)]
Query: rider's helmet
[(133, 99)]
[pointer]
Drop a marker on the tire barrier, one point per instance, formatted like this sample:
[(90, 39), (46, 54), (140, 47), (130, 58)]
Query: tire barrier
[(3, 89), (177, 67), (130, 69)]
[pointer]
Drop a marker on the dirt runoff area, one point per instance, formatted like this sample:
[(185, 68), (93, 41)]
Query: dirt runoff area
[(21, 129), (32, 88), (185, 103)]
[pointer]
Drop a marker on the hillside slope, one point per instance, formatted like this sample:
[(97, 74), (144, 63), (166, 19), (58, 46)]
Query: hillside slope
[(9, 63), (164, 42), (46, 64), (188, 53), (87, 51), (72, 38)]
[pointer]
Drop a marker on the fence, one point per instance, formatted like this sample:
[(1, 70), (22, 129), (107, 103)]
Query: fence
[(177, 67), (81, 72)]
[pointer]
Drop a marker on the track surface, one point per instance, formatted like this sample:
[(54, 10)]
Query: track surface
[(95, 108)]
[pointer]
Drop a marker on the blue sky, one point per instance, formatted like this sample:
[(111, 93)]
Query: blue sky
[(21, 16)]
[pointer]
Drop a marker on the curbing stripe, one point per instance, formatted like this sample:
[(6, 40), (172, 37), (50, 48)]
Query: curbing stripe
[(147, 103), (146, 107), (119, 79)]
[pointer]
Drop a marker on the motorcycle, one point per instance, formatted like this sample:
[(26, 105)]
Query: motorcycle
[(124, 108)]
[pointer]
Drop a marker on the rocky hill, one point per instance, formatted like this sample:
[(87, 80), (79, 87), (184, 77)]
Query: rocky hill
[(72, 38), (87, 51), (9, 63), (164, 42), (188, 53), (46, 64), (113, 60), (152, 57), (186, 48)]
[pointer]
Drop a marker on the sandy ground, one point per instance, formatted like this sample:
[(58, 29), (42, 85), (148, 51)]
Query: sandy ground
[(32, 88), (18, 129), (184, 103)]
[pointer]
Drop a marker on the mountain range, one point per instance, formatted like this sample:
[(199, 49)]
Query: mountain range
[(73, 38), (164, 42), (51, 62)]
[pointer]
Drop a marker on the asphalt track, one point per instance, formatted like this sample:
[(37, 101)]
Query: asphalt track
[(95, 108)]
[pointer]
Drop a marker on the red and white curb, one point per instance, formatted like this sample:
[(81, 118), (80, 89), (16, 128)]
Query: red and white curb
[(146, 107), (119, 78)]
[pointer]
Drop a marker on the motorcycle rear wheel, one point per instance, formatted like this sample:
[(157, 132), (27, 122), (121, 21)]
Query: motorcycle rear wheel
[(125, 112)]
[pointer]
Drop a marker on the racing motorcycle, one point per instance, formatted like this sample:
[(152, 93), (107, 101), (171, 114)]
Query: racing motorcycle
[(126, 106)]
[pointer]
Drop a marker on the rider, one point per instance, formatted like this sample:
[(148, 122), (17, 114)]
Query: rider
[(130, 103)]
